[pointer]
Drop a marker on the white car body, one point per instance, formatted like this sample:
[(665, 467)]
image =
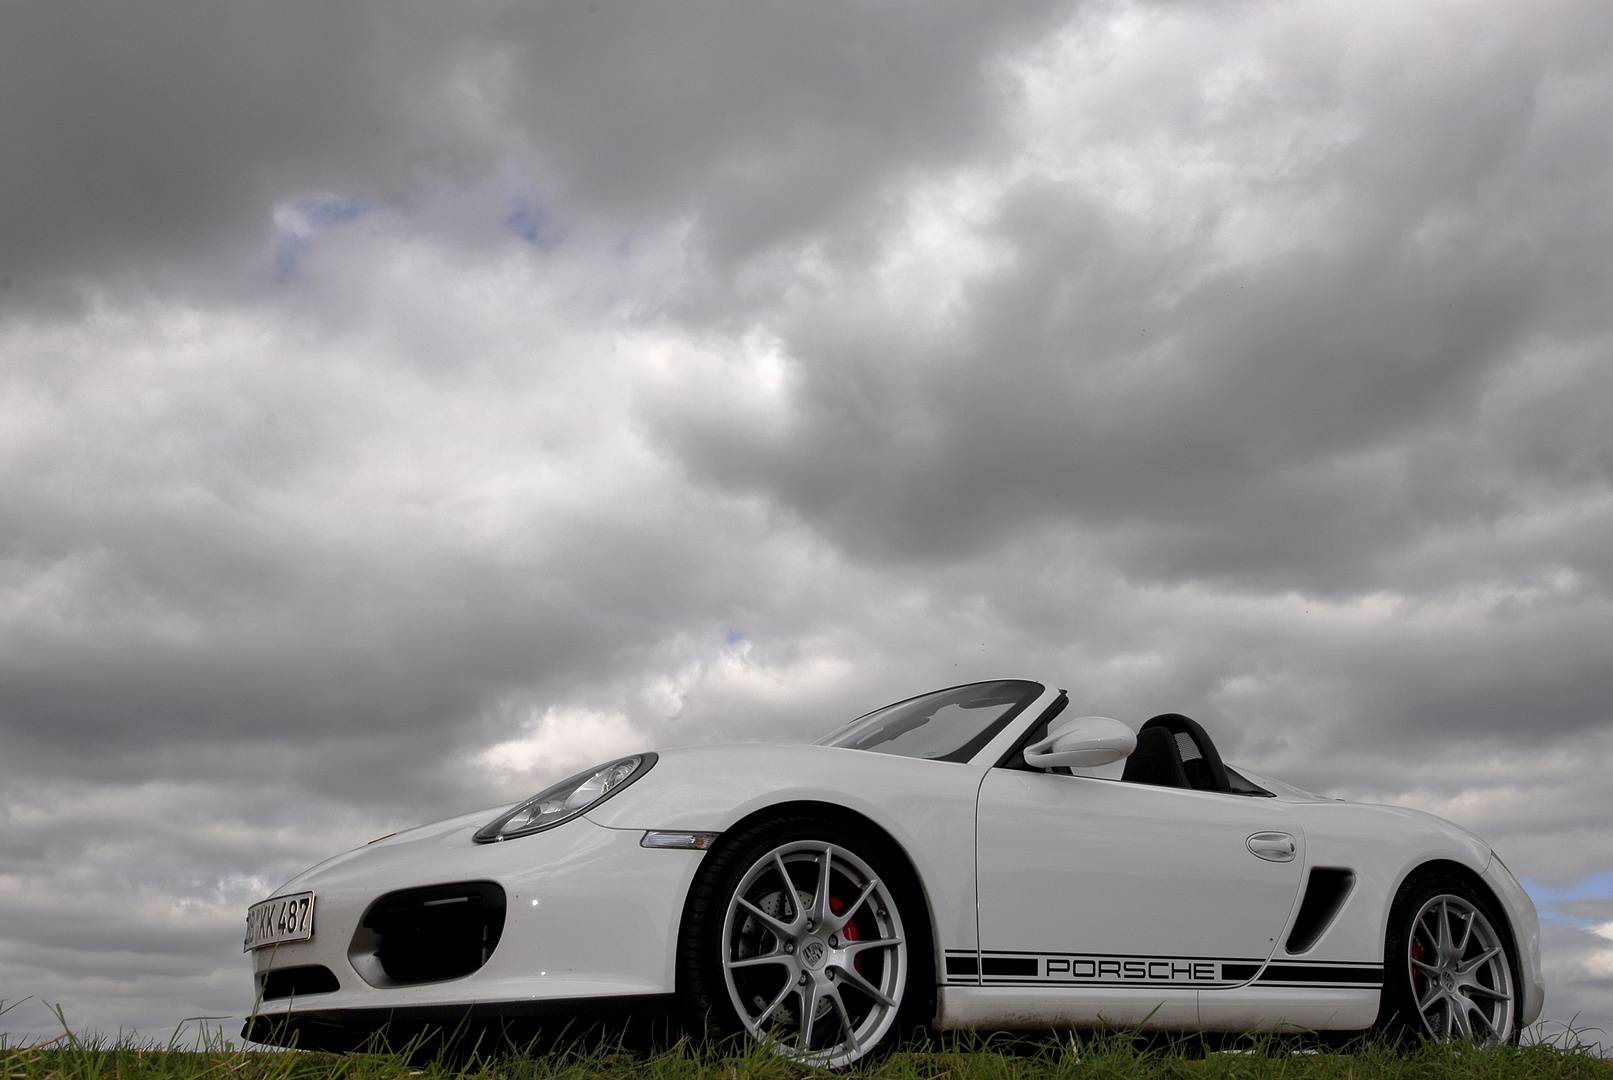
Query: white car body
[(1052, 900)]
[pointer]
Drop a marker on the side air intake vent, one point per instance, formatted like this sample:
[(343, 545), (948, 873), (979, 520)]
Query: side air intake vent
[(279, 983), (1325, 892), (428, 935)]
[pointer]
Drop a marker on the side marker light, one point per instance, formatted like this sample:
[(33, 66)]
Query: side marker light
[(687, 841)]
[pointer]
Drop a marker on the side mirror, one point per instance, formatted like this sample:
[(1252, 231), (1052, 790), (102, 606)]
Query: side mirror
[(1082, 743)]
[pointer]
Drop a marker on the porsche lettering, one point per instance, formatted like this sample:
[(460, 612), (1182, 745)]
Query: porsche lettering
[(1116, 969)]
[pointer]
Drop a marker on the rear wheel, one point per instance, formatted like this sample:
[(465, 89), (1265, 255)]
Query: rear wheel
[(1448, 970), (795, 937)]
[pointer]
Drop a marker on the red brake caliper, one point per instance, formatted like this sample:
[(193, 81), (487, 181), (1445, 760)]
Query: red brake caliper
[(1416, 974), (849, 931)]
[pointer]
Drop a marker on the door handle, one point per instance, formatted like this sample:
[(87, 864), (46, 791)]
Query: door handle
[(1272, 846)]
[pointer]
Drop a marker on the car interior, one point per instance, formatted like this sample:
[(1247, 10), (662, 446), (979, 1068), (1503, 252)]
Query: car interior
[(1172, 751)]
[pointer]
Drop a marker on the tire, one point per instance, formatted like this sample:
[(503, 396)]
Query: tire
[(1449, 970), (825, 976)]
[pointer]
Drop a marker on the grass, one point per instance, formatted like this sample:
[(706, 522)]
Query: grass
[(210, 1056)]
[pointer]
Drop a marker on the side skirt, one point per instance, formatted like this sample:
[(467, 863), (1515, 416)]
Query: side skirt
[(1246, 1008)]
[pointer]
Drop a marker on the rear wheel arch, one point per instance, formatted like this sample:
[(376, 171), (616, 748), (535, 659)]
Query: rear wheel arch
[(1468, 876), (924, 959), (1417, 881)]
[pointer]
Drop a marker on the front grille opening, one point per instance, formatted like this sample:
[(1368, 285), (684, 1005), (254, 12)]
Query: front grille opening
[(1325, 892), (429, 934), (279, 983)]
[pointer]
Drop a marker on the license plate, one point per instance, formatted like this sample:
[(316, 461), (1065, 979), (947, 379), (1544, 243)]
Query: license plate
[(277, 921)]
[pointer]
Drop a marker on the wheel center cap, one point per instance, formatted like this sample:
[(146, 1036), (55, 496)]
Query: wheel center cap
[(1448, 980), (813, 954)]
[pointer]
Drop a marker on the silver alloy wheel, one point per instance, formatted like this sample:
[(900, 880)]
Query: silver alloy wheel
[(1460, 976), (813, 953)]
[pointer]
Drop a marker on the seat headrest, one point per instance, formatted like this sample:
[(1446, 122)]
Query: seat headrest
[(1211, 774)]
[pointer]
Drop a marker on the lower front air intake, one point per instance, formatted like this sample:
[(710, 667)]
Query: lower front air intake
[(295, 982), (429, 934)]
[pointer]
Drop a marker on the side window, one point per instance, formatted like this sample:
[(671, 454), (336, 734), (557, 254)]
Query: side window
[(1016, 760)]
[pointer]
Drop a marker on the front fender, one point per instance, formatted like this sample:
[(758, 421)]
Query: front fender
[(926, 807)]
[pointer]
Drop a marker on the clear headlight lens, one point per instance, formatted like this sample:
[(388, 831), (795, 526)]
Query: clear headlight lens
[(570, 798)]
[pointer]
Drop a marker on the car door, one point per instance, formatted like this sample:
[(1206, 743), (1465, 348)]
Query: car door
[(1085, 882)]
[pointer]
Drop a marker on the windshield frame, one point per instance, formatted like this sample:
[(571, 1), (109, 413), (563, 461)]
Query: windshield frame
[(1034, 692)]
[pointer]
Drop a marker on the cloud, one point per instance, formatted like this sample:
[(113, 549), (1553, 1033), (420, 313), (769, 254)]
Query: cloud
[(562, 741)]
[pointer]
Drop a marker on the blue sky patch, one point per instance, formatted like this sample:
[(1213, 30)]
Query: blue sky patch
[(1548, 898), (298, 224), (532, 223)]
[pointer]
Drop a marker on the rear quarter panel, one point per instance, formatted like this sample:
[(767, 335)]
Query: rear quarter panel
[(1383, 845)]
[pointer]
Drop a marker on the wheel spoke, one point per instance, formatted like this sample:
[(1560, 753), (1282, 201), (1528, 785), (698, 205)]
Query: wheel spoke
[(1478, 961), (855, 978), (787, 890), (1426, 932), (760, 961), (1479, 988), (761, 1018), (809, 1005), (1444, 943), (856, 948), (846, 1025), (1459, 1011), (820, 899), (777, 929), (836, 923), (1467, 932), (1427, 969), (1428, 999)]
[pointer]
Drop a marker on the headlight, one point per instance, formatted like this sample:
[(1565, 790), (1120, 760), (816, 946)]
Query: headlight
[(570, 798)]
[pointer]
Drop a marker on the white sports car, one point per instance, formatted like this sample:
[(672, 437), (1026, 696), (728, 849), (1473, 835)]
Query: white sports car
[(971, 857)]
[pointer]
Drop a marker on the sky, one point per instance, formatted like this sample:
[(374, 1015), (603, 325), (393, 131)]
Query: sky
[(403, 405)]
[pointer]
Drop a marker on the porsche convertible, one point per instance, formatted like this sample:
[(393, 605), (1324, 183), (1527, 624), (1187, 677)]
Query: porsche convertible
[(973, 857)]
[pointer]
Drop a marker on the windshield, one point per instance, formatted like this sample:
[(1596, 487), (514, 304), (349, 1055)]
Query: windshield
[(947, 725)]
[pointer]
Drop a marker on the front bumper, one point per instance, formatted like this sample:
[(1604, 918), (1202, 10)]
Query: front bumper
[(591, 920), (487, 1026)]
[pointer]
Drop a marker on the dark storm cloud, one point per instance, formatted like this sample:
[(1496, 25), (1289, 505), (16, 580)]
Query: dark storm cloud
[(762, 119), (149, 134), (141, 139)]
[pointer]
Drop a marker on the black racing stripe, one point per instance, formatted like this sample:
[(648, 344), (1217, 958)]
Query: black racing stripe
[(963, 965), (1021, 966), (1239, 972), (1321, 973)]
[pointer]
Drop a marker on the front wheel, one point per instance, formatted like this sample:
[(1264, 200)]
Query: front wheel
[(1448, 970), (797, 940)]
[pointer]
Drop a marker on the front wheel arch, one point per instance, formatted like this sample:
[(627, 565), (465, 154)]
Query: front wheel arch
[(922, 956)]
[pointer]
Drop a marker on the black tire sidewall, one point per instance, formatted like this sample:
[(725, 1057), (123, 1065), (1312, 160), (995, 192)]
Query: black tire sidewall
[(1398, 1015), (703, 990)]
